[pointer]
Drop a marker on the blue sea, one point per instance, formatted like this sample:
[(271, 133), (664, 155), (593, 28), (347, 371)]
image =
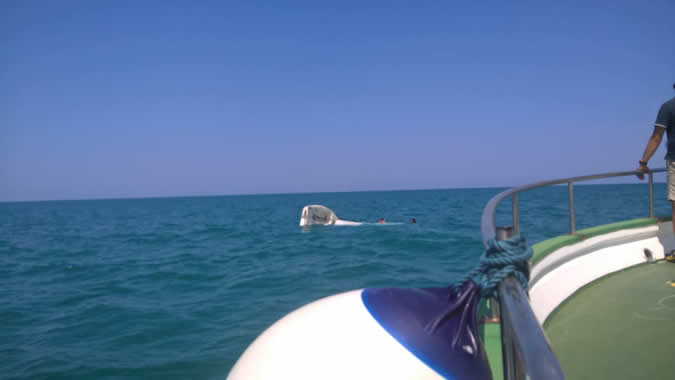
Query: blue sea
[(176, 288)]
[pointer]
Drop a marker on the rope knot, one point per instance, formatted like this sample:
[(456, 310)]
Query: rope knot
[(501, 259)]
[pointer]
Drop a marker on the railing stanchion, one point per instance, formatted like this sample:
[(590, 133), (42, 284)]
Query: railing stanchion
[(651, 194), (514, 213), (504, 232), (570, 190)]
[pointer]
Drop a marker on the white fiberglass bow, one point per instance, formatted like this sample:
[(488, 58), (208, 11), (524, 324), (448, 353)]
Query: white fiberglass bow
[(317, 214)]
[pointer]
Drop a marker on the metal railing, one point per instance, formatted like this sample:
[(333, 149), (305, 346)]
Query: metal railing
[(488, 229), (525, 349)]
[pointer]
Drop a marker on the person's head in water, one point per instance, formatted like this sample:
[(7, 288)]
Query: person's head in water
[(413, 221), (381, 220)]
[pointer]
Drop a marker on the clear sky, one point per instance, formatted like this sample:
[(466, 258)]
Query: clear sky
[(102, 99)]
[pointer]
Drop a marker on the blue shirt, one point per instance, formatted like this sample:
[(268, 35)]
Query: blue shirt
[(666, 119)]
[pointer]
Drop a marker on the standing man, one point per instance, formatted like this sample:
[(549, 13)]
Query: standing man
[(665, 122)]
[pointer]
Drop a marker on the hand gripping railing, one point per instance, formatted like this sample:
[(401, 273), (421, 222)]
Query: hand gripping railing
[(526, 352)]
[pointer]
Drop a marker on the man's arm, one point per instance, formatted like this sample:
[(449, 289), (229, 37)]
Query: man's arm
[(652, 145)]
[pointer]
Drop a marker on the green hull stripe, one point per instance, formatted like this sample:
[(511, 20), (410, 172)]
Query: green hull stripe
[(612, 227), (546, 247)]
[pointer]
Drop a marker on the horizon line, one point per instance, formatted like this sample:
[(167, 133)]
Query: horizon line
[(292, 193)]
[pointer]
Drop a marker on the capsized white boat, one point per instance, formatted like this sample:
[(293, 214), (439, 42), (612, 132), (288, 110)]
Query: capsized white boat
[(318, 214)]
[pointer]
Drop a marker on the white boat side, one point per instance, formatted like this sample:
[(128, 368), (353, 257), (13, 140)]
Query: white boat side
[(566, 270)]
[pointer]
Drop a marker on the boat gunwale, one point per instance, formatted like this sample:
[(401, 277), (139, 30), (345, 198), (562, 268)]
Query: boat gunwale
[(544, 248)]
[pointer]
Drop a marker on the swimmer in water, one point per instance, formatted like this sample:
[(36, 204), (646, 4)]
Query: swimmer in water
[(381, 221), (413, 221)]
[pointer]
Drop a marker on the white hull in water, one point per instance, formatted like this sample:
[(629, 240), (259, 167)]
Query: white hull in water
[(340, 222), (322, 215)]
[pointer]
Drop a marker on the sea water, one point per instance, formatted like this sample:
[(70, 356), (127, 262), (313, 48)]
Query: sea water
[(173, 288)]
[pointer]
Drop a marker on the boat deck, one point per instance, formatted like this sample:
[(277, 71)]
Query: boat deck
[(621, 326)]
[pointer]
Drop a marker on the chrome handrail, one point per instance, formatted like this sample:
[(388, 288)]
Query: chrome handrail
[(488, 229), (525, 349)]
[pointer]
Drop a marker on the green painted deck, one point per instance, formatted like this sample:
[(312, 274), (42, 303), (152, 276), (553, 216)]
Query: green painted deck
[(621, 326)]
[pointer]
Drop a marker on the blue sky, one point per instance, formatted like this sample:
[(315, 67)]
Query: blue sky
[(132, 99)]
